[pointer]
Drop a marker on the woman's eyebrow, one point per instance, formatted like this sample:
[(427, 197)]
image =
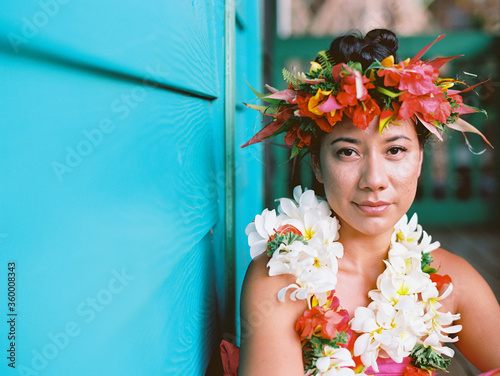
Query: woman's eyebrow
[(345, 139), (395, 138)]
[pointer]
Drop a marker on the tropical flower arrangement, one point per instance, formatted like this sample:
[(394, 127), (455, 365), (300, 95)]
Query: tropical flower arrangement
[(402, 319), (315, 101)]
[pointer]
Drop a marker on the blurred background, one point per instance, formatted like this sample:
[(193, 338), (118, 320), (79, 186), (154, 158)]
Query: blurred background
[(124, 193)]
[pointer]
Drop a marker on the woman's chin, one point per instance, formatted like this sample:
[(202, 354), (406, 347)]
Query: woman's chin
[(369, 226)]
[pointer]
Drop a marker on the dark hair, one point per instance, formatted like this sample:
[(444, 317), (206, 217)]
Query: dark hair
[(376, 45)]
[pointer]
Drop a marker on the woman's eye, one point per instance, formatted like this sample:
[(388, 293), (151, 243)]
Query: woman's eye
[(345, 152), (396, 150)]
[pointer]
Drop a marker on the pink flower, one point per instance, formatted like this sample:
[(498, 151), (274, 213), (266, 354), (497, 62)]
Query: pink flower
[(419, 79), (422, 104)]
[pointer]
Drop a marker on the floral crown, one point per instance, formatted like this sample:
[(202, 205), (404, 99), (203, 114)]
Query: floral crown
[(316, 101)]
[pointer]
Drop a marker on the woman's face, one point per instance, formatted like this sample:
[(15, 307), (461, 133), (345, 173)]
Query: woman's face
[(370, 179)]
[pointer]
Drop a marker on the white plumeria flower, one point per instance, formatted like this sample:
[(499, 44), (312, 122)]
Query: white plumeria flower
[(425, 244), (261, 229), (308, 199), (434, 342), (334, 360), (403, 260)]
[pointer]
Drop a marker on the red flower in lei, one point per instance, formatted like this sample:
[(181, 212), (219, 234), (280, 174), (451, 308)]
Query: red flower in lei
[(323, 321), (414, 371), (440, 280)]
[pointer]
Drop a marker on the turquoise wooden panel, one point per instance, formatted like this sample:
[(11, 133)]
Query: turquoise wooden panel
[(170, 42), (249, 161), (107, 205)]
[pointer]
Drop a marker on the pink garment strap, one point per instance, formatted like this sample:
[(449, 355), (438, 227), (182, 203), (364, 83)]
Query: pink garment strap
[(388, 367), (489, 373)]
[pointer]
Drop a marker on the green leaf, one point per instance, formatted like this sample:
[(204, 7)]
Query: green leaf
[(388, 92), (355, 65), (287, 239), (429, 270), (426, 261), (262, 96), (427, 358), (324, 60), (375, 65), (291, 78)]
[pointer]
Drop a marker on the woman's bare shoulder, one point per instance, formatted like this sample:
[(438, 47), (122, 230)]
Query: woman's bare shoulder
[(447, 262), (268, 338), (468, 283), (258, 286), (478, 308)]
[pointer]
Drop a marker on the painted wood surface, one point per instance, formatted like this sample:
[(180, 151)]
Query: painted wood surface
[(113, 183), (169, 42), (108, 210)]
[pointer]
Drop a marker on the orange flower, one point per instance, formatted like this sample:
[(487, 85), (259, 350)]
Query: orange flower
[(440, 280), (303, 103)]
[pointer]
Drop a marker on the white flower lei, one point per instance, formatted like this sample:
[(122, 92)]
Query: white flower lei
[(404, 308)]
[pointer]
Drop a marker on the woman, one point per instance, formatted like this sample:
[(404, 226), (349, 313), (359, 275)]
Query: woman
[(354, 290)]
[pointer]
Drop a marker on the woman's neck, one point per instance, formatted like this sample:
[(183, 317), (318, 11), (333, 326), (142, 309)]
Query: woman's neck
[(363, 252)]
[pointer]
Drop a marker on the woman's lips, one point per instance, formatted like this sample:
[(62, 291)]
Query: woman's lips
[(373, 207)]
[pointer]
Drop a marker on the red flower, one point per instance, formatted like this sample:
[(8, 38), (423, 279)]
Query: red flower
[(296, 132), (309, 321), (414, 371), (440, 280), (347, 96), (364, 113), (283, 230), (316, 320), (288, 228), (391, 76), (332, 302), (337, 116)]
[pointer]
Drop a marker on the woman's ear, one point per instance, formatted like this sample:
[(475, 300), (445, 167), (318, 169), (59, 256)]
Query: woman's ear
[(316, 166)]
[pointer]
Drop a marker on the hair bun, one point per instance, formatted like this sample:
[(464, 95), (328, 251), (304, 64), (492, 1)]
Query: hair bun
[(376, 45)]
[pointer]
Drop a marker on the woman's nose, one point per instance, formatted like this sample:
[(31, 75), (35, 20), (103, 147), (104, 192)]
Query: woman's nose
[(373, 175)]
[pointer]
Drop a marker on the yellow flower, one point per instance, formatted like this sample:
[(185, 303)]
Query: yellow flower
[(316, 101), (388, 61), (314, 67)]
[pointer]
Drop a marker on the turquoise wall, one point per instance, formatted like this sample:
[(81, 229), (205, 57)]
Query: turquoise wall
[(114, 122)]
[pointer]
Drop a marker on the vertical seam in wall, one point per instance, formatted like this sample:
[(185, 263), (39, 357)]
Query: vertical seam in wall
[(229, 140)]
